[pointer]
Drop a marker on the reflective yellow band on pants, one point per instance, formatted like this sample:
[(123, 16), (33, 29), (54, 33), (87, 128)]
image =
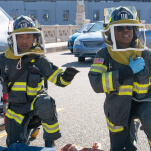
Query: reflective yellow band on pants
[(107, 82), (125, 90), (112, 128), (32, 103), (149, 142), (12, 115), (53, 77), (140, 88), (51, 128), (98, 68)]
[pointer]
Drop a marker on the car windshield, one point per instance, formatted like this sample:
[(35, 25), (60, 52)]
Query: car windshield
[(85, 28), (97, 27)]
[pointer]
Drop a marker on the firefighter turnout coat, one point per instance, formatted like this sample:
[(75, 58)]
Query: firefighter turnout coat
[(104, 78), (27, 95)]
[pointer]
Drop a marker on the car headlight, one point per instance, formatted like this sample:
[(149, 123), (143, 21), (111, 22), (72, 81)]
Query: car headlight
[(70, 38), (76, 42)]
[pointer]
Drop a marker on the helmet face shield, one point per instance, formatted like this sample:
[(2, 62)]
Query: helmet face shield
[(138, 41), (22, 43)]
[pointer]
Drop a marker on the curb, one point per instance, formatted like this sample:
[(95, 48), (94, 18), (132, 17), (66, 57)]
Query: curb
[(56, 47)]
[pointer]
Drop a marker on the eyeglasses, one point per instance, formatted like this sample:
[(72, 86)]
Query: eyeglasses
[(121, 28)]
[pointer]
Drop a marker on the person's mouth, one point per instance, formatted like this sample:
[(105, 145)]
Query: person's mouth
[(126, 36), (24, 46)]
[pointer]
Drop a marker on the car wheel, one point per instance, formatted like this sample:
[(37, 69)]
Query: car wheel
[(71, 50), (81, 59)]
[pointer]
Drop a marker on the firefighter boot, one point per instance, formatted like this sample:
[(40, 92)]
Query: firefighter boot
[(49, 143)]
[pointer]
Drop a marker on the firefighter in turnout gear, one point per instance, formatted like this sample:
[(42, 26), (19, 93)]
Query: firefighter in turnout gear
[(25, 67), (122, 70)]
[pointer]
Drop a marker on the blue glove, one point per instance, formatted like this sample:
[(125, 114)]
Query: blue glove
[(137, 65)]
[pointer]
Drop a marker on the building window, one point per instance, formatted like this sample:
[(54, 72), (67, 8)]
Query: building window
[(96, 15), (33, 14), (66, 15), (45, 16)]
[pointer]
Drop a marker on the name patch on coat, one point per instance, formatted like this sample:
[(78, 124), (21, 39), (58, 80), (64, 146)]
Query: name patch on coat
[(98, 61)]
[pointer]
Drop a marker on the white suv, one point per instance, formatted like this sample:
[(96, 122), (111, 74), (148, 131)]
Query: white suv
[(6, 25)]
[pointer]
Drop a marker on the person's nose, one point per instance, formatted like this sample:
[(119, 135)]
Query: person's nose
[(24, 40)]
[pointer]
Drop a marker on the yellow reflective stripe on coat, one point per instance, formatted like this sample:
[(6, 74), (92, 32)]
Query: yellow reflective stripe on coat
[(140, 88), (51, 128), (98, 68), (53, 77), (18, 86), (113, 128), (31, 91), (12, 115), (39, 85), (107, 82), (125, 90), (64, 82), (149, 80)]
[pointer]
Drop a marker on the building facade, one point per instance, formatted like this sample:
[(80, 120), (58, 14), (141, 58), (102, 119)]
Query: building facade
[(63, 12)]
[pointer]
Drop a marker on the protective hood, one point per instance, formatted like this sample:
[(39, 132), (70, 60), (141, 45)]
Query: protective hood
[(10, 55), (122, 57)]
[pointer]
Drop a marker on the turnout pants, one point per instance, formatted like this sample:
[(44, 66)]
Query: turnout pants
[(126, 140), (17, 120)]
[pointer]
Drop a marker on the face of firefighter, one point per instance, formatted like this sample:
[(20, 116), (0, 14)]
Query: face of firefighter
[(123, 35), (24, 41)]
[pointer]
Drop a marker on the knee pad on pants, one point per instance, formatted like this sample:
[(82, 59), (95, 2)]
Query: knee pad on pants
[(46, 108)]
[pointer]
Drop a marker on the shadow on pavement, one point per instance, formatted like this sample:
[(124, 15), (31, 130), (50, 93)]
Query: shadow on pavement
[(68, 53), (87, 63)]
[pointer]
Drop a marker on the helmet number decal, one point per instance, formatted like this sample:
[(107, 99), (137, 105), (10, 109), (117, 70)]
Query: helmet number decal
[(24, 25), (124, 16)]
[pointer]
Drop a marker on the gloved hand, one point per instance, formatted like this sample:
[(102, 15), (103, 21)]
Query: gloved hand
[(69, 73), (137, 65)]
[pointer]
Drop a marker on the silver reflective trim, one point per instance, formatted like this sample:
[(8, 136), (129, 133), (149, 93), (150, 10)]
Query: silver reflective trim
[(107, 81), (14, 116), (98, 68), (140, 88), (51, 129), (54, 77)]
